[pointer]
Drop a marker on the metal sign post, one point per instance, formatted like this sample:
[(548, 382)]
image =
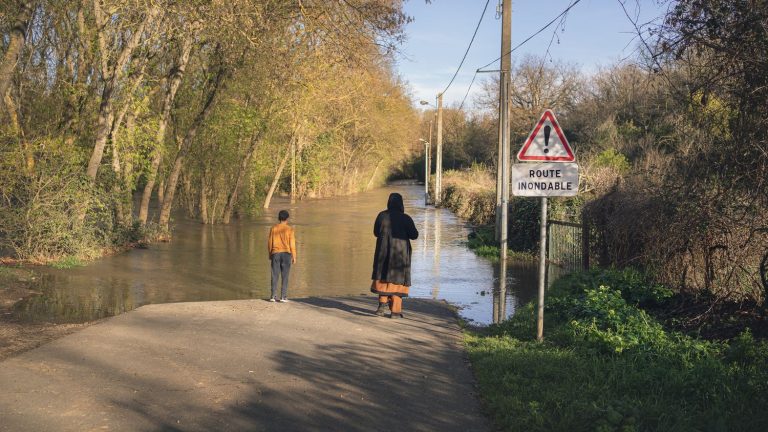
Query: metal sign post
[(554, 174), (542, 269)]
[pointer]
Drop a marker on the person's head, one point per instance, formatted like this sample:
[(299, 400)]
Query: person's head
[(283, 215), (395, 203)]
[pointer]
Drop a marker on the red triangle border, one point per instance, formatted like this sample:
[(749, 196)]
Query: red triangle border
[(547, 114)]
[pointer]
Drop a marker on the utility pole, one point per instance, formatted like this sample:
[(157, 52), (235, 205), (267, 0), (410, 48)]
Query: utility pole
[(504, 162), (439, 166), (503, 169), (426, 172), (427, 145), (429, 157)]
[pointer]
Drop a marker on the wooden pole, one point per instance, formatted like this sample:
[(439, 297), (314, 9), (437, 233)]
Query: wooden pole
[(504, 162), (502, 308), (429, 159), (426, 172), (439, 167), (506, 65)]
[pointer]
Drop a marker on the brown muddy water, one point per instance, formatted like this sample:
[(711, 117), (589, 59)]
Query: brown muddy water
[(335, 249)]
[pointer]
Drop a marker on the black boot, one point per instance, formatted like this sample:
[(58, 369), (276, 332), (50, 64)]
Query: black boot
[(395, 315), (382, 310)]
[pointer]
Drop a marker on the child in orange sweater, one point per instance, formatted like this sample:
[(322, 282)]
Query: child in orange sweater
[(282, 253)]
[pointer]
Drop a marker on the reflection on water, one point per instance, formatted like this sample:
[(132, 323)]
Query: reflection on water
[(335, 248)]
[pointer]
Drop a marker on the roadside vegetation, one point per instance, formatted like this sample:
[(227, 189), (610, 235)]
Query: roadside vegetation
[(673, 152), (116, 115), (610, 362), (672, 148)]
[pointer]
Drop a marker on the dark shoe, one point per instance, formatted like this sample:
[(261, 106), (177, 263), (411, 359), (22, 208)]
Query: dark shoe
[(382, 310), (395, 315)]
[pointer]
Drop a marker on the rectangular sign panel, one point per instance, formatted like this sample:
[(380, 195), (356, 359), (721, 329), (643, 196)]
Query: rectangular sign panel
[(545, 179)]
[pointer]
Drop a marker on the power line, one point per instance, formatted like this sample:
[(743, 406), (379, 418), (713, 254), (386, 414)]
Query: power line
[(468, 47), (468, 89), (565, 11), (561, 16)]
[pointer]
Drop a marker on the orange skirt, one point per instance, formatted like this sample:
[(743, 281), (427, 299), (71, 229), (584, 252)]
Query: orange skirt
[(385, 288)]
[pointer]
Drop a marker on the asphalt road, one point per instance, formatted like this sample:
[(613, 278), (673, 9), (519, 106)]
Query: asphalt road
[(316, 364)]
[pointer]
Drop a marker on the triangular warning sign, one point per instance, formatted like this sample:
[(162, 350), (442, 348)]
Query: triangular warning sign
[(546, 142)]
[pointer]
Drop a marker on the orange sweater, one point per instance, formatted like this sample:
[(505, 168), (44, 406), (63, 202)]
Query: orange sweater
[(281, 239)]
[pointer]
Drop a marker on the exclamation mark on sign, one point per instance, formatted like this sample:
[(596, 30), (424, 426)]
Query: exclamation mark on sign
[(547, 129)]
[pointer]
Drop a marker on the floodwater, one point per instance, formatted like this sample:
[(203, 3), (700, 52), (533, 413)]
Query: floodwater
[(335, 249)]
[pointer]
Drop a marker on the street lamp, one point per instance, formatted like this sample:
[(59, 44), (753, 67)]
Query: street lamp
[(439, 152), (427, 164)]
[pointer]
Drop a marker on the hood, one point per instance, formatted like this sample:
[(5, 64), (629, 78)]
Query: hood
[(395, 203)]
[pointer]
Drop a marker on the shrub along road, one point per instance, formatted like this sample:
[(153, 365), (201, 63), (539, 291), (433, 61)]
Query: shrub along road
[(608, 365), (312, 364)]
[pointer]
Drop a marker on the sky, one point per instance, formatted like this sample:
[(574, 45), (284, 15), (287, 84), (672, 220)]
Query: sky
[(595, 34)]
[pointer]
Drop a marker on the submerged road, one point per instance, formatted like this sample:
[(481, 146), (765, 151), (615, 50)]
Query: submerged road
[(309, 365)]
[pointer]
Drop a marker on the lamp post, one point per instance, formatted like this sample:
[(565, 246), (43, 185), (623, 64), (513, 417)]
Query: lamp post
[(439, 151), (426, 168)]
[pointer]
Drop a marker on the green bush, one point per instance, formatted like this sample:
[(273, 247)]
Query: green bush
[(635, 287), (603, 320), (483, 242), (67, 262), (140, 234), (745, 350), (610, 158), (52, 210), (608, 365)]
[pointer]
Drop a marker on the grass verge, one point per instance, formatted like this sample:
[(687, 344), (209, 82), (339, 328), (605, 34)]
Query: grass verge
[(483, 243), (67, 262), (607, 365)]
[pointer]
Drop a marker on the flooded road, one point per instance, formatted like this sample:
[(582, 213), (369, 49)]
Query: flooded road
[(335, 248)]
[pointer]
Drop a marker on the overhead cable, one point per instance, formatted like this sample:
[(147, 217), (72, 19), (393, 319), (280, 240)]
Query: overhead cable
[(565, 11), (468, 89), (468, 47)]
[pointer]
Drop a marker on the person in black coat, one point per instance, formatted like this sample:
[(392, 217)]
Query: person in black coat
[(391, 276)]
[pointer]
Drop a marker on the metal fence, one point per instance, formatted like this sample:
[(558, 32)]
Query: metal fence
[(567, 247)]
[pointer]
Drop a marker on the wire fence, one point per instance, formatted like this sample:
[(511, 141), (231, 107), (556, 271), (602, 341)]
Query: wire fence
[(566, 247)]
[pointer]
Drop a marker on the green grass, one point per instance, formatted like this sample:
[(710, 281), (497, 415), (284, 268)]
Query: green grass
[(483, 243), (609, 366), (67, 262)]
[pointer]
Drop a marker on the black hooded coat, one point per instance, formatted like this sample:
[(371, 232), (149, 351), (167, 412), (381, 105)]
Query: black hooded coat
[(394, 231)]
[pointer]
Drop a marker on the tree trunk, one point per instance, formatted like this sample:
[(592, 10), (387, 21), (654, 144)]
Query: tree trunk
[(111, 79), (146, 196), (203, 200), (125, 192), (18, 35), (76, 102), (173, 179), (29, 157), (189, 198), (124, 216), (373, 176), (293, 171), (173, 85), (278, 174), (232, 199), (160, 193), (102, 131)]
